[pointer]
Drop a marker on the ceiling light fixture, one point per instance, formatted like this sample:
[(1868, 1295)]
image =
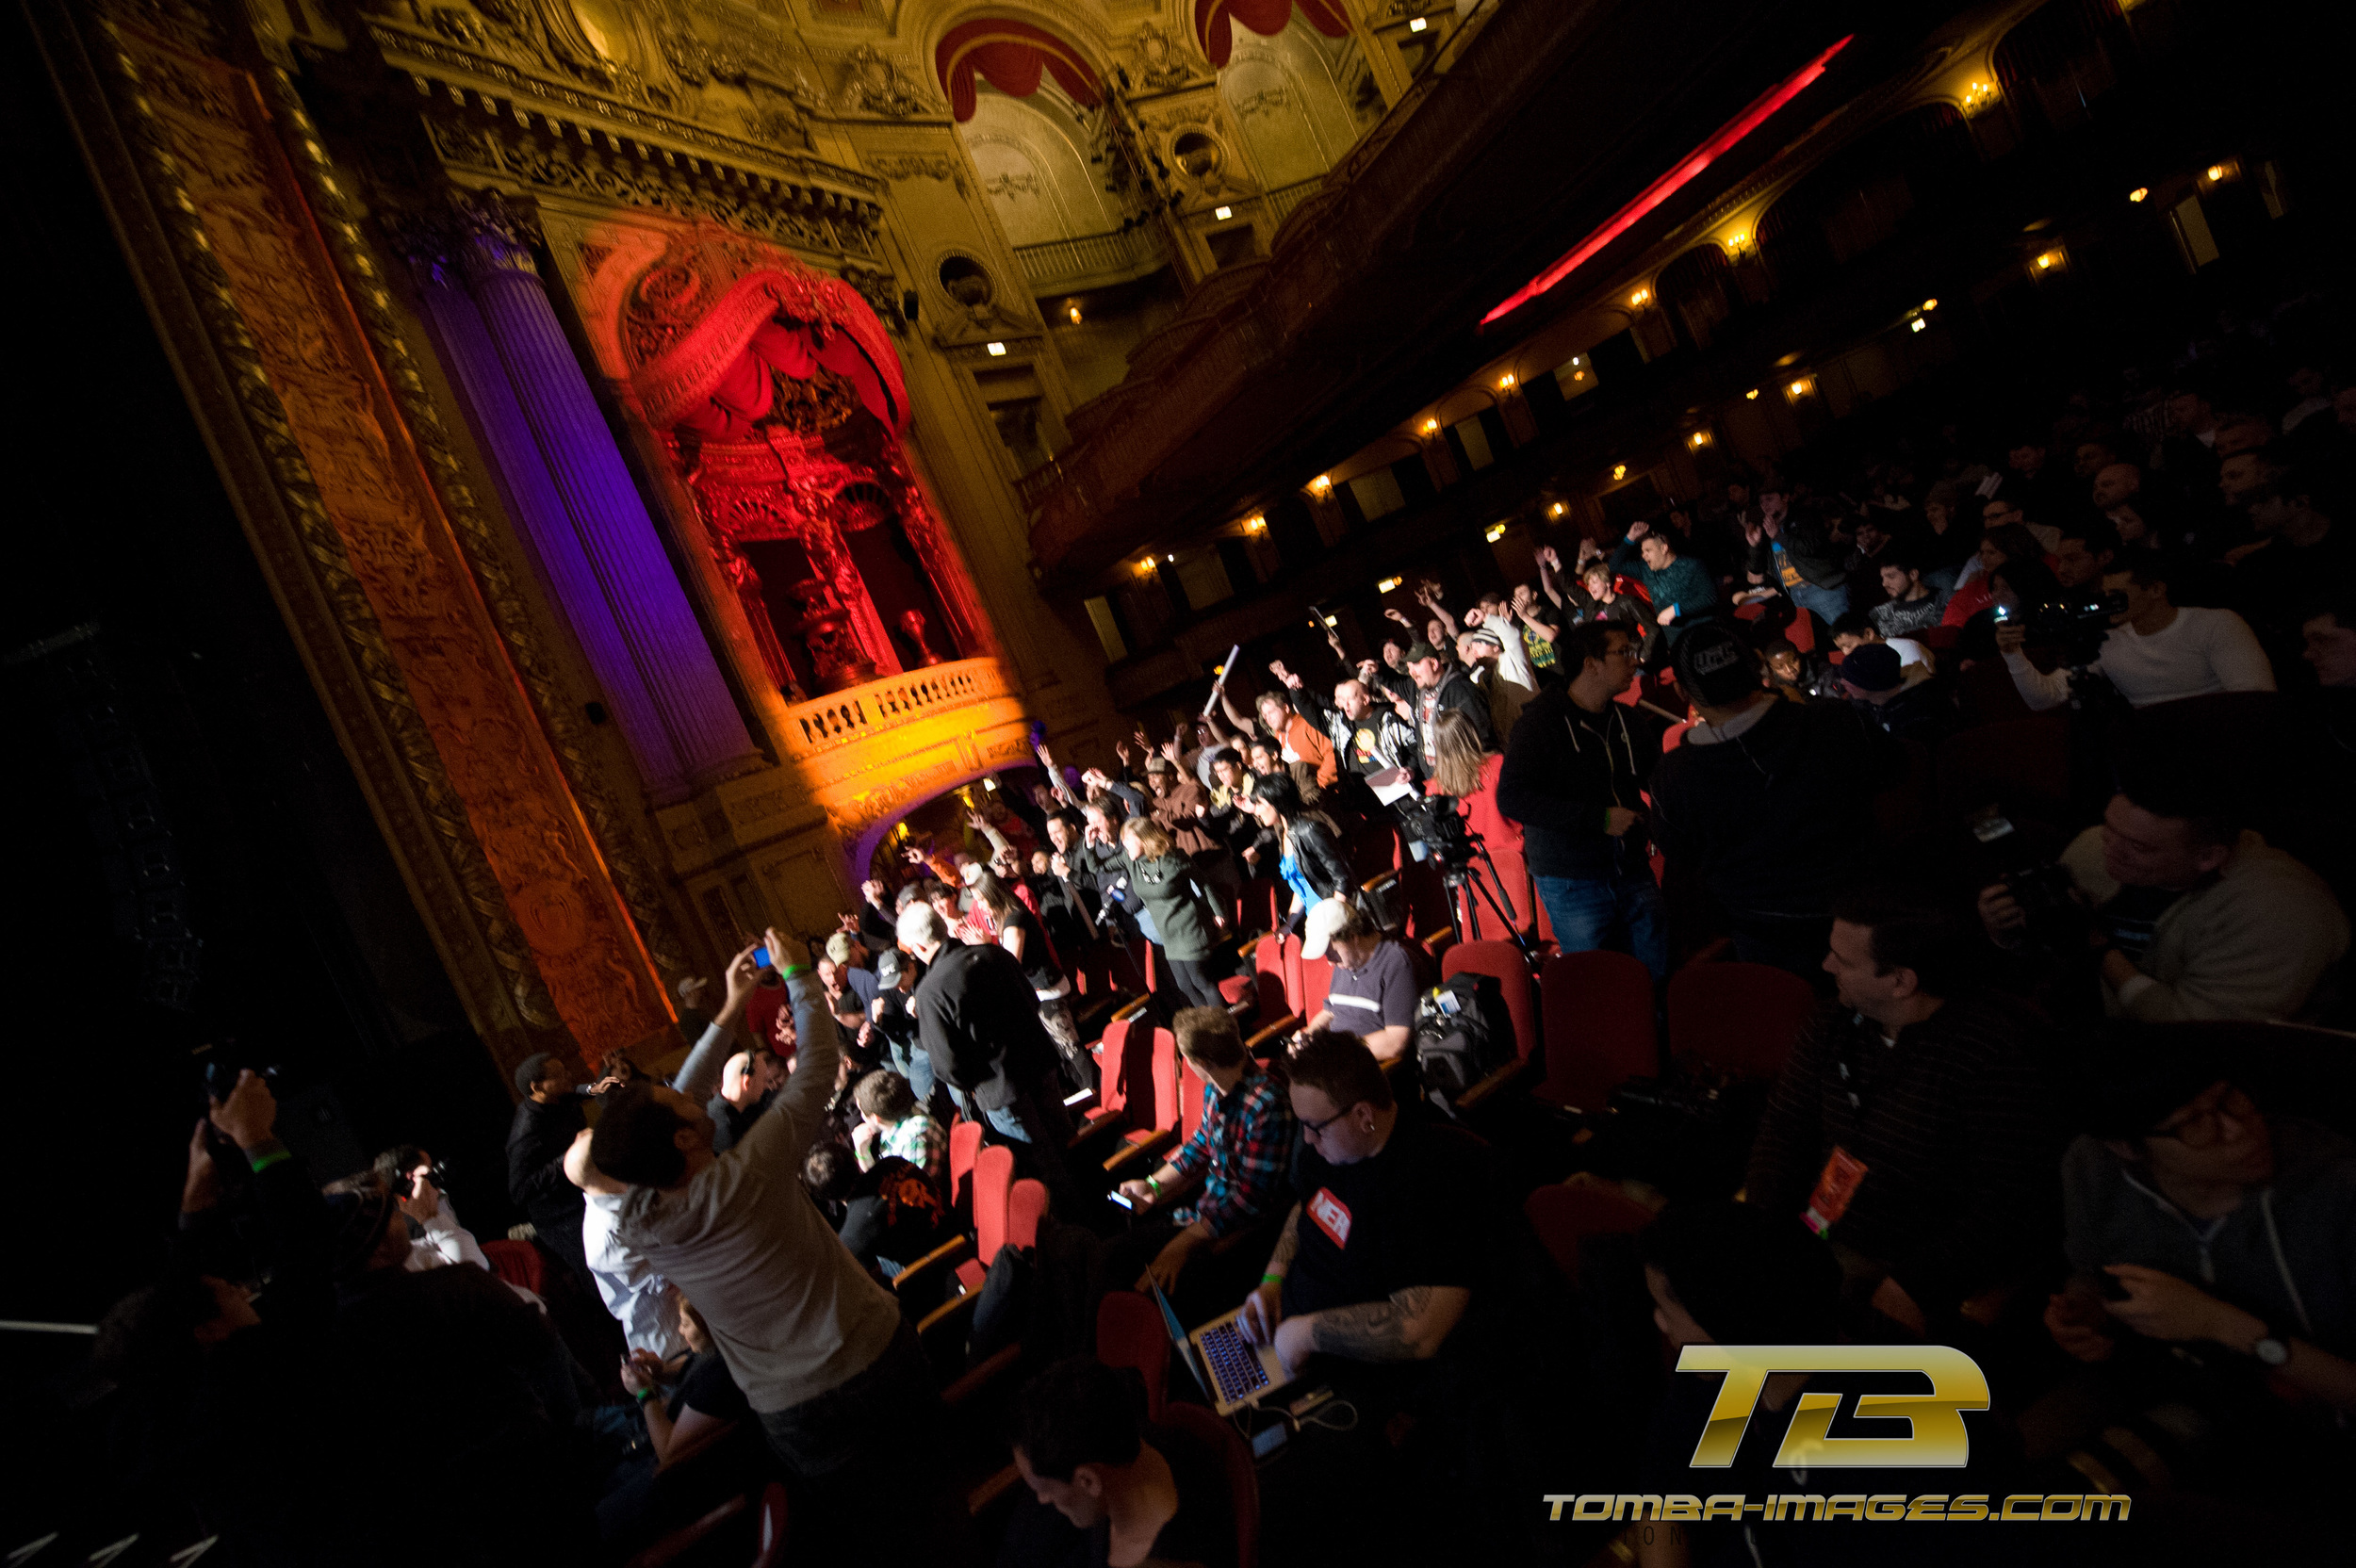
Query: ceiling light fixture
[(1734, 130)]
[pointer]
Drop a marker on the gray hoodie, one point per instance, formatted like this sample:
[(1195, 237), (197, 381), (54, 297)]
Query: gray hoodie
[(2288, 1253)]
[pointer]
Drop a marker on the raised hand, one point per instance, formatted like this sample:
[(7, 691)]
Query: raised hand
[(1638, 529)]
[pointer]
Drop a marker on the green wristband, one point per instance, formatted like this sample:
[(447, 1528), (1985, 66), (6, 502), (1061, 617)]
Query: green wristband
[(1271, 1278), (263, 1162), (644, 1395), (790, 971), (1156, 1183)]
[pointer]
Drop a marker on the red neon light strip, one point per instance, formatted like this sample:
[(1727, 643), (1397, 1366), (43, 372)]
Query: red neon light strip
[(1662, 189)]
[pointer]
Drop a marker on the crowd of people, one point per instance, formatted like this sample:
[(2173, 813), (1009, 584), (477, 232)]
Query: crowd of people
[(1766, 726)]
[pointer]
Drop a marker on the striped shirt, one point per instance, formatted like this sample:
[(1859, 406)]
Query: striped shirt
[(1954, 1124)]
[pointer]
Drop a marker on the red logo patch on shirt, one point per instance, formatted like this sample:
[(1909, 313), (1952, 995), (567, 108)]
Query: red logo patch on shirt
[(1332, 1215)]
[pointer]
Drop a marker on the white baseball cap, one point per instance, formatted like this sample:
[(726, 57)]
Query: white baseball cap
[(1326, 916)]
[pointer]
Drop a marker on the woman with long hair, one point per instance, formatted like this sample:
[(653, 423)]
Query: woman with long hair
[(1189, 923), (1308, 858), (2004, 541), (1467, 773)]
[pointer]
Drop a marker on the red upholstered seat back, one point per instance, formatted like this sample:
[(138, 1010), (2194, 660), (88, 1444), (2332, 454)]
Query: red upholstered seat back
[(1503, 961), (1598, 1026)]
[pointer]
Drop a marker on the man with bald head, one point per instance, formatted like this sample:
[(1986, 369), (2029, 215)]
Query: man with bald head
[(1370, 734), (2116, 485)]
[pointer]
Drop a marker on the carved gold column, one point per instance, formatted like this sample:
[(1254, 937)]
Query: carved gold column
[(347, 521)]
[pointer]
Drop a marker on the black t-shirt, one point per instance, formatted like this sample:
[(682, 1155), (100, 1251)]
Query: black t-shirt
[(706, 1386), (895, 1214), (1038, 960), (1420, 1213), (1202, 1532)]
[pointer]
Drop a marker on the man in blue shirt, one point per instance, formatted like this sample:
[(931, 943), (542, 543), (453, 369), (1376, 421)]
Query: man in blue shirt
[(1679, 586)]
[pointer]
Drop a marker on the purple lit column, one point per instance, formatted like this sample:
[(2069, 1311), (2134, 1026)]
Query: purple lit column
[(612, 579)]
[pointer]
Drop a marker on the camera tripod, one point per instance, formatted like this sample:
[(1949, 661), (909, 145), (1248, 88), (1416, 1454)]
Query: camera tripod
[(1464, 880)]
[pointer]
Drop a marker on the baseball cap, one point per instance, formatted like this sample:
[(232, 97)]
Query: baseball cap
[(1713, 666), (1325, 917), (1422, 649), (1871, 667), (839, 947), (888, 965), (1482, 634)]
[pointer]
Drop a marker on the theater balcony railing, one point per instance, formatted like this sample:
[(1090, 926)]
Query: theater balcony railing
[(1092, 261), (853, 762)]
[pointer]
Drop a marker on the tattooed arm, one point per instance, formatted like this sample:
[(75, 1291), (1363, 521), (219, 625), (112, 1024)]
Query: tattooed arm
[(1411, 1325)]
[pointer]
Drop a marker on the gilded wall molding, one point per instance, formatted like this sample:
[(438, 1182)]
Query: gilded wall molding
[(290, 339), (560, 717)]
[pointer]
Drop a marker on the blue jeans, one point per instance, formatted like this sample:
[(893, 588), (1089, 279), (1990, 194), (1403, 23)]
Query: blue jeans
[(1830, 604), (1622, 910)]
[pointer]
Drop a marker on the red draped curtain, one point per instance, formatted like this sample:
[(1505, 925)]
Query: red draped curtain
[(1010, 56), (1264, 17)]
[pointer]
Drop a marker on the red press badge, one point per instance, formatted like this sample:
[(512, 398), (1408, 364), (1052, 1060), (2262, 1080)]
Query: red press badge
[(1834, 1185), (1332, 1215)]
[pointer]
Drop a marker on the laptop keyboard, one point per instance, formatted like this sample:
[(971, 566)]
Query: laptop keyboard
[(1235, 1365)]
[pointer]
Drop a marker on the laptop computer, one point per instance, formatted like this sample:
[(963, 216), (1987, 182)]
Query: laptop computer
[(1232, 1371)]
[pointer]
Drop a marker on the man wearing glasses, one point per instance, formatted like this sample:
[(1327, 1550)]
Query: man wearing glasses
[(1395, 1227), (2209, 1244)]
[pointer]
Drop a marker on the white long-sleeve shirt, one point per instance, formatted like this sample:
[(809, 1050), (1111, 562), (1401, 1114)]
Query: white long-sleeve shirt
[(2198, 654), (444, 1242), (640, 1300)]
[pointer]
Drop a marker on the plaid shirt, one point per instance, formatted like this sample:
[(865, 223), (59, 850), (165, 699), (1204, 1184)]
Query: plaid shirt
[(917, 1139), (1243, 1145)]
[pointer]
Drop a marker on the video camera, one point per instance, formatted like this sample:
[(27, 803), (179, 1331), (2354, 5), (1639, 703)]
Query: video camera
[(2076, 623), (1437, 829)]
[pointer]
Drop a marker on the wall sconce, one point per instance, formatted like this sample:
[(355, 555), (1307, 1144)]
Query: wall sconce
[(1073, 312), (1256, 523), (1978, 96), (1170, 559), (1493, 532), (995, 350), (1739, 242), (1556, 510), (1431, 425), (1322, 486), (1388, 585), (991, 784), (2217, 173), (1752, 396), (1638, 299), (1416, 23), (1222, 214), (1700, 439), (1505, 382), (2049, 263), (1917, 324), (1929, 305), (1145, 568), (1330, 621), (2139, 193), (1619, 470), (1801, 388)]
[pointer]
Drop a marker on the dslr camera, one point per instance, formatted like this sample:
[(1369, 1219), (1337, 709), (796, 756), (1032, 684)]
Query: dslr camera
[(2057, 921)]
